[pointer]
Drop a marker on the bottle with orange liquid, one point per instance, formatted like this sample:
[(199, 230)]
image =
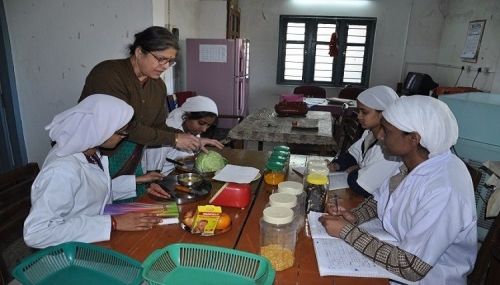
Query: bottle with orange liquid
[(274, 173)]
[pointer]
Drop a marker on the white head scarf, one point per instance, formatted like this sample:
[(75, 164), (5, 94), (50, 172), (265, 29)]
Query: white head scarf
[(192, 104), (429, 117), (88, 124), (378, 97)]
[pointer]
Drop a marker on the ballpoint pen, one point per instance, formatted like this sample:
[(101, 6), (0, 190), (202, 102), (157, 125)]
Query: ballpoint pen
[(336, 202)]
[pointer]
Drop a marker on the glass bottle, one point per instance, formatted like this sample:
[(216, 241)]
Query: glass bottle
[(278, 237), (316, 187), (274, 173)]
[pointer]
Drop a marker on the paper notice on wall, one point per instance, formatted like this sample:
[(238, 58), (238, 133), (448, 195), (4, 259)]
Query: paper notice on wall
[(473, 39), (213, 53)]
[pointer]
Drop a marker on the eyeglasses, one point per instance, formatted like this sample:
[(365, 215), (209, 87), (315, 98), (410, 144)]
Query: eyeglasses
[(163, 60), (122, 133)]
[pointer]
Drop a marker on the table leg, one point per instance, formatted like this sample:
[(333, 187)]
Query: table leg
[(238, 144), (260, 145)]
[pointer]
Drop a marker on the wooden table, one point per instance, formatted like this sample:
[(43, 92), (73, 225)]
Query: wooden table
[(265, 126), (244, 233)]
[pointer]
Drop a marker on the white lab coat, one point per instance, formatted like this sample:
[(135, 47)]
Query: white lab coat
[(374, 167), (432, 214), (68, 198), (154, 158)]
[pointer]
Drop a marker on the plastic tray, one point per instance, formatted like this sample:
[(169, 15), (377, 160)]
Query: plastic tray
[(195, 264), (78, 263)]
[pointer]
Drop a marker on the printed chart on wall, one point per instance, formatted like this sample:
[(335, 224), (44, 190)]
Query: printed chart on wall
[(473, 40)]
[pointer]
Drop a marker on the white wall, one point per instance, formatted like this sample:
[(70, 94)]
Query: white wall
[(54, 46), (213, 18), (459, 13), (184, 15), (424, 36), (195, 19), (260, 20)]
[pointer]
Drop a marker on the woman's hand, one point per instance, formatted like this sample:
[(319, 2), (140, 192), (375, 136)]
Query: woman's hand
[(156, 190), (333, 224), (205, 141), (149, 177), (188, 142), (340, 211), (136, 221)]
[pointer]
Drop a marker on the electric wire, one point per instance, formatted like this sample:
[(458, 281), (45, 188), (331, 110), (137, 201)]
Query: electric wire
[(474, 81), (458, 78)]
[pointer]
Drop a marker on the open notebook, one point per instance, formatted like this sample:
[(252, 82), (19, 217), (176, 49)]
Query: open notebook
[(336, 257)]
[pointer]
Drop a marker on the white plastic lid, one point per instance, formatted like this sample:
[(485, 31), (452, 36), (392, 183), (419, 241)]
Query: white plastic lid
[(283, 200), (290, 187), (278, 215)]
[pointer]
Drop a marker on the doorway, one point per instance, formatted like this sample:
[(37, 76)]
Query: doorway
[(12, 147)]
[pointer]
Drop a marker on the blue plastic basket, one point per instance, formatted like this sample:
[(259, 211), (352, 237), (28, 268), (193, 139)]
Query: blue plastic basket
[(78, 264), (194, 264)]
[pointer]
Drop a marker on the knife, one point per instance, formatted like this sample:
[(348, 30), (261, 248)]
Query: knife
[(174, 161)]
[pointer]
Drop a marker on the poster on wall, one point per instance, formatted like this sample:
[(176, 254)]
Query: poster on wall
[(473, 40)]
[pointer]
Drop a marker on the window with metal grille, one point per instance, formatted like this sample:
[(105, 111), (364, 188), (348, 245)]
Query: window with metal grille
[(304, 45)]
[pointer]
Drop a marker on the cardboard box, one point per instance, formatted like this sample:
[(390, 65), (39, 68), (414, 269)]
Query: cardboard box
[(206, 219)]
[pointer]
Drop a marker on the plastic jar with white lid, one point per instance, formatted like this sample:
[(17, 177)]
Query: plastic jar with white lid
[(278, 237), (287, 201), (297, 189)]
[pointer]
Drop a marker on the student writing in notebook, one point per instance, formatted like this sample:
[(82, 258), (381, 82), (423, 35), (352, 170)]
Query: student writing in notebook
[(366, 162), (427, 205)]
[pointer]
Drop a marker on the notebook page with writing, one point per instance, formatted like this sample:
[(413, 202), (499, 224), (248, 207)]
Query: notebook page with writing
[(336, 257)]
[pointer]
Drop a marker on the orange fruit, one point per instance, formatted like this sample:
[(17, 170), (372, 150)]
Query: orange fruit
[(224, 222)]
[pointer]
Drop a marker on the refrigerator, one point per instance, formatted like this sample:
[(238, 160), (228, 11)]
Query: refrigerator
[(218, 68)]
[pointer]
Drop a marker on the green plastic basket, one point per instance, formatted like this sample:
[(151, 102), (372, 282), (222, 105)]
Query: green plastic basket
[(193, 264), (78, 263)]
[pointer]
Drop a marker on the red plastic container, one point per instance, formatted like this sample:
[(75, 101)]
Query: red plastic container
[(232, 195)]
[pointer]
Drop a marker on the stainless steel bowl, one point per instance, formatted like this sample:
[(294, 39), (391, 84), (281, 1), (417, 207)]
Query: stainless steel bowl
[(189, 179)]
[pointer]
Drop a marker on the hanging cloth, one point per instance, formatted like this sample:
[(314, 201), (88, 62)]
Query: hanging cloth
[(334, 48)]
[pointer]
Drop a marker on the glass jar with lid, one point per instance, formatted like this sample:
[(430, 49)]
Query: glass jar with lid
[(282, 148), (281, 158), (316, 187), (274, 173), (278, 237), (297, 189)]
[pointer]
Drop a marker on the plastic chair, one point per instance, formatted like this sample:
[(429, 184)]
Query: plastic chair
[(487, 266), (15, 189), (351, 132), (177, 99), (310, 91), (351, 92)]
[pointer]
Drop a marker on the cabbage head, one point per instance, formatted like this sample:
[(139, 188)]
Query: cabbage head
[(209, 162)]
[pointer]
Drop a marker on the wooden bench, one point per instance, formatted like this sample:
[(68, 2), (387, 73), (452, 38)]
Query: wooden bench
[(15, 203)]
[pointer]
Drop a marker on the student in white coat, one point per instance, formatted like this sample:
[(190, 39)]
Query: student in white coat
[(428, 205), (70, 192), (195, 116), (367, 164)]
